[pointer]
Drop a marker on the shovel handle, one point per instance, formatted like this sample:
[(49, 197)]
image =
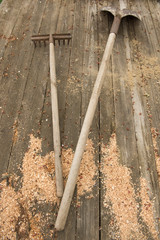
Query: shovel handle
[(115, 25), (72, 178), (55, 120)]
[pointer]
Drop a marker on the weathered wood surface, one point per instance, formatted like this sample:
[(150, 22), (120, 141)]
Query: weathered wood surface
[(128, 105)]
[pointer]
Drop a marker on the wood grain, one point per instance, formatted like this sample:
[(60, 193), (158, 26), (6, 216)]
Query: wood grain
[(128, 104)]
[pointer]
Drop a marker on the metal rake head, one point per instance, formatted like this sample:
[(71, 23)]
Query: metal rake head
[(60, 38)]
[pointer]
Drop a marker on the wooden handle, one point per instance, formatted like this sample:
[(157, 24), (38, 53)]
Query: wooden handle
[(73, 174), (115, 24), (55, 122)]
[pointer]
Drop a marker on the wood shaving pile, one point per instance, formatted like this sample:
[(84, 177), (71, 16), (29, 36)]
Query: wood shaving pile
[(147, 208), (35, 232), (19, 213), (9, 212), (155, 134), (120, 195), (38, 187), (38, 174), (88, 170), (119, 191)]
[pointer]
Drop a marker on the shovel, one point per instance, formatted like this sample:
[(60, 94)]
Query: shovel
[(73, 174)]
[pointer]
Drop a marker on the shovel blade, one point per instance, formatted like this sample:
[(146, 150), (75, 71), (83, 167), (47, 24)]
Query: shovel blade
[(121, 13)]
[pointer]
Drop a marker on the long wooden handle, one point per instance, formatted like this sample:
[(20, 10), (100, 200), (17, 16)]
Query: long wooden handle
[(55, 121), (72, 178)]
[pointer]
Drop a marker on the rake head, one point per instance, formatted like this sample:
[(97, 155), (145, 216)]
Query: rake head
[(60, 38)]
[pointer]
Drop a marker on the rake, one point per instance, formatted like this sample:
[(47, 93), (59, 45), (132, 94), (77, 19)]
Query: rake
[(52, 39)]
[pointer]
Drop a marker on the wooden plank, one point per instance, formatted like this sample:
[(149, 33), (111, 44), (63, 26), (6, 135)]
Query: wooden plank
[(142, 125), (14, 81), (11, 48), (9, 13), (153, 8), (107, 117), (71, 122), (32, 108), (88, 208), (153, 86), (128, 106), (49, 24), (126, 122), (35, 87), (62, 24), (126, 143), (32, 94)]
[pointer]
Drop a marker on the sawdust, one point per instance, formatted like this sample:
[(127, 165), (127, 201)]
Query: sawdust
[(88, 170), (147, 67), (155, 134), (38, 187), (120, 197), (9, 212), (20, 215), (120, 192), (35, 232), (38, 174), (73, 85), (147, 208), (15, 132)]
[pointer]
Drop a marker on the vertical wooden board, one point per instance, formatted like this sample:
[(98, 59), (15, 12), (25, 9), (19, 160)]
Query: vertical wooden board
[(65, 24), (34, 92), (14, 82), (12, 53), (125, 141), (141, 108), (45, 128), (124, 122), (124, 117), (9, 12), (153, 86), (73, 106), (151, 24), (88, 202), (32, 107), (33, 69), (17, 34), (154, 7), (62, 23), (107, 111)]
